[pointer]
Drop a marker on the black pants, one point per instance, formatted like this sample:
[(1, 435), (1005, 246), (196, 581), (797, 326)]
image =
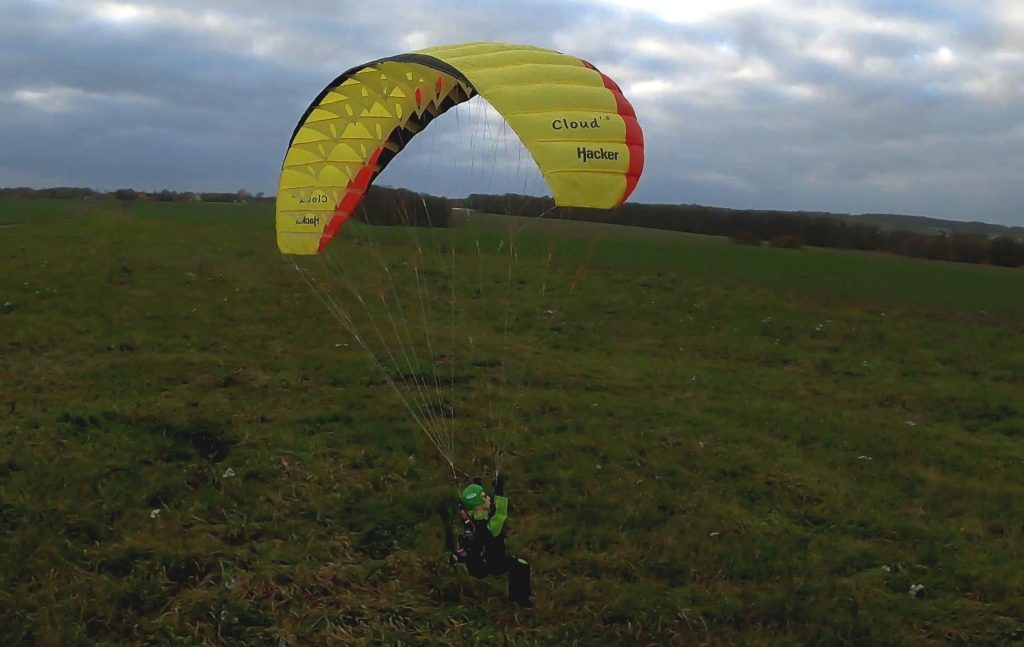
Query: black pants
[(518, 569)]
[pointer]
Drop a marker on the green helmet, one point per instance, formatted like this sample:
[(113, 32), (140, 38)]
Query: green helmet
[(472, 496)]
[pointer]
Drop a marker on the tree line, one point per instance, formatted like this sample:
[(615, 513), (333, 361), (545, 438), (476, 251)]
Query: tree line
[(780, 228), (129, 195), (963, 242)]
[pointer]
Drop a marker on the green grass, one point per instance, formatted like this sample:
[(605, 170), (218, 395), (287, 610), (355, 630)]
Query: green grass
[(715, 444)]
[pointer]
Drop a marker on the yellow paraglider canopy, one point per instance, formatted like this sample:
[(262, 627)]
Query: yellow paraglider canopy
[(574, 121)]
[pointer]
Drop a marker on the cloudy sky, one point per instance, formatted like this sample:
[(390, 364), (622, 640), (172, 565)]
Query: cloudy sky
[(846, 105)]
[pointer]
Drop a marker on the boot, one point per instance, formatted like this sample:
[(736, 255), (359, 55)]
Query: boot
[(519, 589)]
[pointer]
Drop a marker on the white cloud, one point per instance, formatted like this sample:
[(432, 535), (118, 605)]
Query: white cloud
[(693, 12), (121, 12), (49, 99), (651, 88), (62, 99), (943, 55)]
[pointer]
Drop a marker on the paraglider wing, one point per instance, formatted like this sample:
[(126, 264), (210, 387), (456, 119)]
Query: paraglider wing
[(574, 121)]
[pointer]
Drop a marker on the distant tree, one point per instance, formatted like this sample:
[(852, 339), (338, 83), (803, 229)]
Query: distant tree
[(64, 193), (787, 241), (968, 248), (1006, 251), (858, 235), (937, 247), (18, 192), (400, 207), (219, 197), (126, 197)]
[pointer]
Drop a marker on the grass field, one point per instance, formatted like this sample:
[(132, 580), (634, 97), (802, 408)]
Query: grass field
[(718, 445)]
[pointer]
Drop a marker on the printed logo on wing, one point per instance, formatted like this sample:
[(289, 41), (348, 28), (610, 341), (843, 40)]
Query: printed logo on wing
[(565, 123), (589, 154)]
